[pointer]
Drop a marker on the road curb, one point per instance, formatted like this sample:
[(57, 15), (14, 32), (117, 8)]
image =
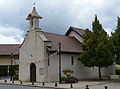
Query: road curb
[(33, 86)]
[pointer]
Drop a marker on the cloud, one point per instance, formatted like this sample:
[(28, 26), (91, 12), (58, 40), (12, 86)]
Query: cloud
[(8, 40), (78, 13), (58, 15), (10, 34)]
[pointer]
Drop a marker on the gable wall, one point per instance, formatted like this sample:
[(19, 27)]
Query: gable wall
[(33, 45), (76, 35)]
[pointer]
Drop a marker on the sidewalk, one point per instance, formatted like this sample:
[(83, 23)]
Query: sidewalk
[(79, 85)]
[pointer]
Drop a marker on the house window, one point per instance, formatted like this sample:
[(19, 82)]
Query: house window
[(72, 60)]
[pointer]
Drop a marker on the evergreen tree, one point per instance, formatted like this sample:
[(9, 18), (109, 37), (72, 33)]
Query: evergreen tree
[(116, 42), (97, 47)]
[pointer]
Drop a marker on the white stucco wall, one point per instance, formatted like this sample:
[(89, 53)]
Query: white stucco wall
[(80, 71), (33, 45), (53, 69), (76, 35)]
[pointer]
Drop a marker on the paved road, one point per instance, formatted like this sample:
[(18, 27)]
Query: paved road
[(3, 86), (80, 85)]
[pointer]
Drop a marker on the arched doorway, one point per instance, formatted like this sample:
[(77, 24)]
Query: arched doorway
[(32, 72)]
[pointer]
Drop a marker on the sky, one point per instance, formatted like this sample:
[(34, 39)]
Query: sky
[(58, 16)]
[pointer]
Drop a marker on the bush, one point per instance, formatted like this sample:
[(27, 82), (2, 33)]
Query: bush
[(69, 79), (117, 71), (67, 70), (72, 80), (15, 77), (63, 78), (4, 70)]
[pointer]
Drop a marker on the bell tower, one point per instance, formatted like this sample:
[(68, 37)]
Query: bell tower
[(33, 18)]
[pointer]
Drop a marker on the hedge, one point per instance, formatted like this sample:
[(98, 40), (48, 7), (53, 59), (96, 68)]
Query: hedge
[(117, 70), (4, 70)]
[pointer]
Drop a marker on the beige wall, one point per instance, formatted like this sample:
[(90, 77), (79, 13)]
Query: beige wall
[(6, 60)]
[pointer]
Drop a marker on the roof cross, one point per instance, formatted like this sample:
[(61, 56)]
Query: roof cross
[(34, 3)]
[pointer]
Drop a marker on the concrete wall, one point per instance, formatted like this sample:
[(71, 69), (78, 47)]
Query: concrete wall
[(76, 35), (6, 60), (80, 71), (32, 51)]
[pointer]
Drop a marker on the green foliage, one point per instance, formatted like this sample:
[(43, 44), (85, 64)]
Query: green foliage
[(67, 70), (63, 78), (4, 70), (69, 79), (14, 68), (15, 77), (116, 42), (117, 70), (97, 47)]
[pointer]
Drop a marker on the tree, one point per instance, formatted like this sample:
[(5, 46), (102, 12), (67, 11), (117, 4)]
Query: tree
[(97, 47), (116, 42)]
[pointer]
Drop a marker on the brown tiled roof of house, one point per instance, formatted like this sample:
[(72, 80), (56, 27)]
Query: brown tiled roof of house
[(7, 49), (78, 30), (68, 44)]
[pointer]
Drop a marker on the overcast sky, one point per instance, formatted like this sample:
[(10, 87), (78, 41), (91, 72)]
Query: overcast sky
[(58, 16)]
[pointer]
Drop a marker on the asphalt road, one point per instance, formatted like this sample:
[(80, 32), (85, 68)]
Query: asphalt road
[(4, 86)]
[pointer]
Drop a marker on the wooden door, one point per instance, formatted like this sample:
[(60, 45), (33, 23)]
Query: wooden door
[(32, 72)]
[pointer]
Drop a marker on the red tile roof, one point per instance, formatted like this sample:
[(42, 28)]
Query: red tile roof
[(7, 49), (68, 44)]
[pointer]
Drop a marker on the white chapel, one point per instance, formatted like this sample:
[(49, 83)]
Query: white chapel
[(43, 56)]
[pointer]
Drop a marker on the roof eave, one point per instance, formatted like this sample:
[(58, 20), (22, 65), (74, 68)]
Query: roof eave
[(8, 54), (66, 52)]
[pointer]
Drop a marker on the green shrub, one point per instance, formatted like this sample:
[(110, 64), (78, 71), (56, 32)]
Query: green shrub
[(14, 69), (4, 70), (67, 70), (15, 77), (72, 80), (63, 78), (69, 79), (117, 71)]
